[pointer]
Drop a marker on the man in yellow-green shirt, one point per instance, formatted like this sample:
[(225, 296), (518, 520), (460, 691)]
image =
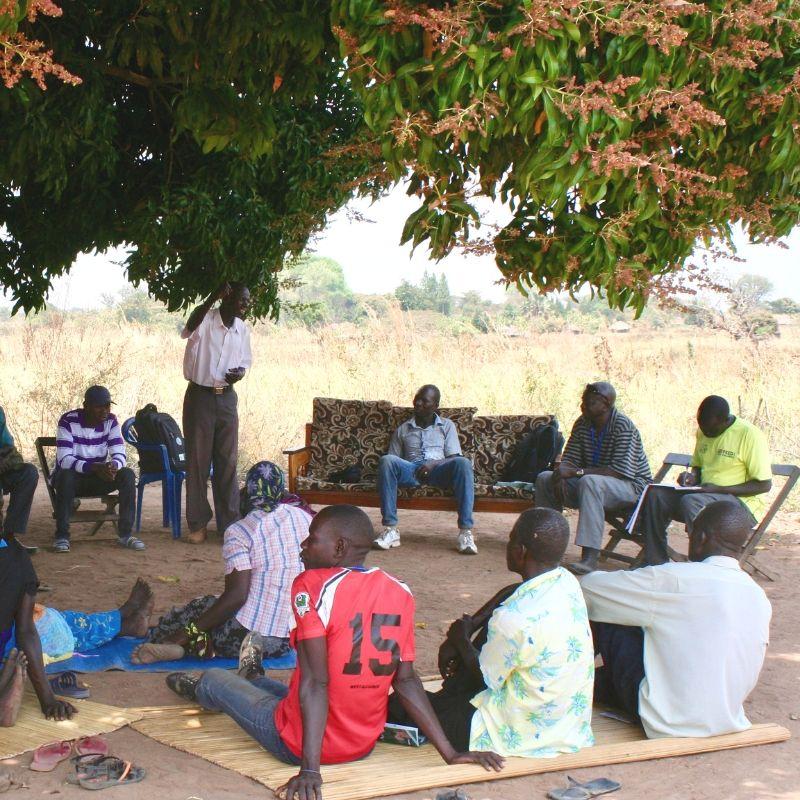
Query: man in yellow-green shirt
[(730, 463)]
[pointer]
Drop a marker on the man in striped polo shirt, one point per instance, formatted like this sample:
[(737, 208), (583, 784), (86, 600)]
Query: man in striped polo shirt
[(604, 467), (90, 461)]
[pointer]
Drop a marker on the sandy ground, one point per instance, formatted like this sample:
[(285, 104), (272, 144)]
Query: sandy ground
[(97, 575)]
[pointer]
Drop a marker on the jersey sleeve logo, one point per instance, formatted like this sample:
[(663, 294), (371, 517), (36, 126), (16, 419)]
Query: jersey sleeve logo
[(302, 603)]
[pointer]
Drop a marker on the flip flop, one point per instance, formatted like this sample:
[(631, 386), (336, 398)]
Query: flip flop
[(89, 765), (597, 786), (91, 745), (46, 757), (573, 793), (105, 773), (584, 791), (66, 684)]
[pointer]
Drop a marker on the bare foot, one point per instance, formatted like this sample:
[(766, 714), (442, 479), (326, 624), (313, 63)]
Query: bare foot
[(11, 696), (149, 653), (136, 610), (141, 594)]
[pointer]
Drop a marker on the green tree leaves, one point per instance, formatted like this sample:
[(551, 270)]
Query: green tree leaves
[(214, 139), (619, 134), (202, 138)]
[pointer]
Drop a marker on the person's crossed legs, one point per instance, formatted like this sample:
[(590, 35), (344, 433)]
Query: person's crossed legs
[(132, 618), (251, 704)]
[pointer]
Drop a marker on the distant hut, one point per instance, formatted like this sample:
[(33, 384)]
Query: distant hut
[(620, 326)]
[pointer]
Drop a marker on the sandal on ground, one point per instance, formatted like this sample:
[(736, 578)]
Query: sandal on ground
[(61, 546), (113, 772), (95, 772), (91, 746), (584, 791), (86, 765), (66, 684), (131, 542), (46, 757)]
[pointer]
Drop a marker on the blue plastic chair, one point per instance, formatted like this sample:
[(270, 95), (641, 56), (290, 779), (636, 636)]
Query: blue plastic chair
[(171, 481)]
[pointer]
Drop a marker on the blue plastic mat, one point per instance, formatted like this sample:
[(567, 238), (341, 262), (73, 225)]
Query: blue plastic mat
[(116, 654)]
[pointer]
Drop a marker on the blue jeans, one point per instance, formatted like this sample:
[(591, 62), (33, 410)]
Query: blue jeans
[(453, 473), (251, 705)]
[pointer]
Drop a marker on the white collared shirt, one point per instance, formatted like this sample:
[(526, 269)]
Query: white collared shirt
[(212, 349), (706, 630)]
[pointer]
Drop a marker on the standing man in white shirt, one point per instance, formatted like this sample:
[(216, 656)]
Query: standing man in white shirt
[(683, 643), (217, 355)]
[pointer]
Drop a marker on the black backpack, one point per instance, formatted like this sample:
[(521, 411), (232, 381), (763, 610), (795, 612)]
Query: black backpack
[(534, 453), (155, 427)]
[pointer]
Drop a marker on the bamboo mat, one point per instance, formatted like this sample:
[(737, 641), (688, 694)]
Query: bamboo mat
[(32, 730), (392, 769)]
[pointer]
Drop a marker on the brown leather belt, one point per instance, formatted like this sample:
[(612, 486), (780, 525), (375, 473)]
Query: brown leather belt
[(212, 389)]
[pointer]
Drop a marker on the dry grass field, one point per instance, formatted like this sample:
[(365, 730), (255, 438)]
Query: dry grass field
[(660, 375)]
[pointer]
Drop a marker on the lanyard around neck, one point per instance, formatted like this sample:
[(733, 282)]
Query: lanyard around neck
[(597, 443)]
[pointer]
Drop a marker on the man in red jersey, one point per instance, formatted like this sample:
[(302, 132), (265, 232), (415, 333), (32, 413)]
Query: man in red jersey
[(354, 636)]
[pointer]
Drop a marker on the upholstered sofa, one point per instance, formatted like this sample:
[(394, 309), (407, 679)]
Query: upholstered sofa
[(346, 433)]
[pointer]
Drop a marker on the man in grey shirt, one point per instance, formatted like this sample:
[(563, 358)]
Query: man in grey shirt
[(425, 449)]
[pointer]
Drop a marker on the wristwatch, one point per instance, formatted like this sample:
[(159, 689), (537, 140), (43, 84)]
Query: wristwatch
[(580, 472)]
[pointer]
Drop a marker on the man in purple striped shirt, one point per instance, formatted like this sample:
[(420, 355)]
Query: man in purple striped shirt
[(90, 461)]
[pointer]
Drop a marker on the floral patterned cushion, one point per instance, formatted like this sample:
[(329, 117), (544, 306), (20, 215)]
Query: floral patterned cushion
[(348, 432), (309, 484), (515, 492), (495, 440), (462, 417), (481, 490)]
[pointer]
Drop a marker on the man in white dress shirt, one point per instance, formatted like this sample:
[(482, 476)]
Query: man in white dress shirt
[(217, 355), (683, 643)]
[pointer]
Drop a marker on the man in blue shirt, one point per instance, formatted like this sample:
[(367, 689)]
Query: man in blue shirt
[(425, 450), (17, 479)]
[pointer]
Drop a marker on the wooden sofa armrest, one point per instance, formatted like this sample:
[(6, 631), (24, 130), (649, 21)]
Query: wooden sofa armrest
[(293, 450), (298, 461)]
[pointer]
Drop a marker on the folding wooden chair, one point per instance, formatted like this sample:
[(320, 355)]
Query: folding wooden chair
[(97, 517), (618, 519)]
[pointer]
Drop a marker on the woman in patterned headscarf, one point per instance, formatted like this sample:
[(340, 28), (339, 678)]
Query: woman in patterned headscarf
[(265, 488), (262, 559)]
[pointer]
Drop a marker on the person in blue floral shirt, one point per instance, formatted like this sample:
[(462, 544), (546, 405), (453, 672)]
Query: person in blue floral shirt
[(519, 674)]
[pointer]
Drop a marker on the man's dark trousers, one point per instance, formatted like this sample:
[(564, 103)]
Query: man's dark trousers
[(617, 682), (211, 431), (69, 484), (664, 504), (20, 484)]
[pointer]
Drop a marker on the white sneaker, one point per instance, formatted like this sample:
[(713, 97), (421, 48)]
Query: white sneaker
[(466, 543), (388, 539)]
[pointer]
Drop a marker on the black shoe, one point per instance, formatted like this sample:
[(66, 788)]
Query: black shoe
[(184, 684), (588, 563), (251, 657), (29, 548)]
